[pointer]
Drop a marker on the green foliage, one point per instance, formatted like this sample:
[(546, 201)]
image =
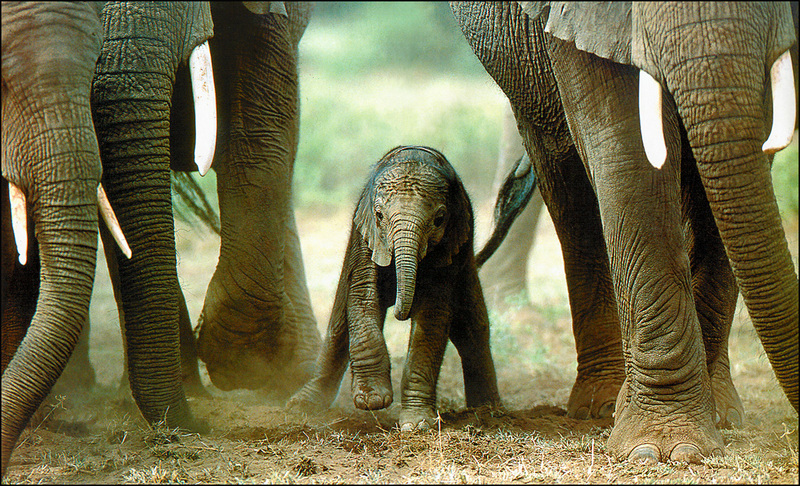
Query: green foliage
[(359, 37)]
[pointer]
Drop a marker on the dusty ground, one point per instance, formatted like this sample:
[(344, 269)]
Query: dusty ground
[(103, 439)]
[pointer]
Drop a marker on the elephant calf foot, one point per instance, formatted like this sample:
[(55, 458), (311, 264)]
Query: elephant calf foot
[(730, 411), (417, 419), (594, 397), (663, 434), (372, 393)]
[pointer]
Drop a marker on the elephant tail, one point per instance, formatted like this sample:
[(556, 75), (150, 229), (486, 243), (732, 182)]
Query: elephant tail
[(512, 198)]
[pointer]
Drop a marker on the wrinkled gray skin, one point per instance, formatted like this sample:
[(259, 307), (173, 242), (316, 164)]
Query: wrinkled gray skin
[(135, 157), (256, 329), (662, 270), (410, 247), (50, 152)]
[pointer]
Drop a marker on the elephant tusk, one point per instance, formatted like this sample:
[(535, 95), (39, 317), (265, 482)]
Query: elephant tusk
[(784, 105), (111, 221), (205, 107), (19, 221), (650, 120)]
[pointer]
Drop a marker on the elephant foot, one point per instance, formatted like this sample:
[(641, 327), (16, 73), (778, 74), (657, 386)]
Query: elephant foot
[(308, 400), (280, 361), (662, 433), (730, 410), (417, 419), (594, 397), (372, 393)]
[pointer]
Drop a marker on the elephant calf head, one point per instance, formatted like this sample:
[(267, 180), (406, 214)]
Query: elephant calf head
[(412, 206)]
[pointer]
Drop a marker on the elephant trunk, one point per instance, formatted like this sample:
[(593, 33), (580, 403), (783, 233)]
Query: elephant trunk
[(407, 253), (66, 232), (50, 154), (736, 175), (131, 99), (61, 194)]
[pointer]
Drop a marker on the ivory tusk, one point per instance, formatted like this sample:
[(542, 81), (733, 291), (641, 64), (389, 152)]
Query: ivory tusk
[(784, 105), (650, 120), (19, 221), (111, 221), (205, 107)]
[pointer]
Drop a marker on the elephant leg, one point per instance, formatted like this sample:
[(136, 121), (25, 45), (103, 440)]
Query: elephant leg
[(430, 328), (714, 288), (573, 207), (248, 332), (369, 358), (320, 391), (665, 410), (469, 333)]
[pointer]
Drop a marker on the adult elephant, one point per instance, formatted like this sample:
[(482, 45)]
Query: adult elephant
[(655, 255), (257, 328), (51, 171)]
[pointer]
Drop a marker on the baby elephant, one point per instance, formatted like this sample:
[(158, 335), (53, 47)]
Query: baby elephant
[(410, 246)]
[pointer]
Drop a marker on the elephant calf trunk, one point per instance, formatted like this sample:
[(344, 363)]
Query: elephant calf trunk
[(405, 261)]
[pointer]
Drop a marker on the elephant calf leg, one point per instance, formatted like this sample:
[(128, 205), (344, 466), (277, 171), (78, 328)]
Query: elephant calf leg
[(426, 348), (371, 369)]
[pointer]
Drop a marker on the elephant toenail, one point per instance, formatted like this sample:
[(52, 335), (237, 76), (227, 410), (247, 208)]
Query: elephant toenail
[(407, 427), (607, 410), (423, 425), (646, 453), (359, 402), (688, 453)]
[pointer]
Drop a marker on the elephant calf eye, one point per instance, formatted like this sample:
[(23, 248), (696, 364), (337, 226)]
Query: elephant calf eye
[(438, 220), (378, 216)]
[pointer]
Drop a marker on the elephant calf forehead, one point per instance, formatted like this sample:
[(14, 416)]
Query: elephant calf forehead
[(412, 178)]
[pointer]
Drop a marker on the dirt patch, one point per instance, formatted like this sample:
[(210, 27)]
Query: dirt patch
[(100, 437)]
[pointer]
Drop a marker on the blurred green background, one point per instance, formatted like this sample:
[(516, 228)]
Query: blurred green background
[(374, 75)]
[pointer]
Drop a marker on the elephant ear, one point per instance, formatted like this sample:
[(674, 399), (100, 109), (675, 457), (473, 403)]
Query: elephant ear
[(364, 222), (601, 28), (459, 229), (263, 8)]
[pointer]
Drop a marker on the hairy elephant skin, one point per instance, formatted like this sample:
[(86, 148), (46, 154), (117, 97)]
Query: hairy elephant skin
[(676, 241), (49, 154), (410, 247), (257, 329)]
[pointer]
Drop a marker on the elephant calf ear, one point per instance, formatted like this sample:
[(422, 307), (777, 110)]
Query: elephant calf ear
[(364, 222), (458, 231)]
